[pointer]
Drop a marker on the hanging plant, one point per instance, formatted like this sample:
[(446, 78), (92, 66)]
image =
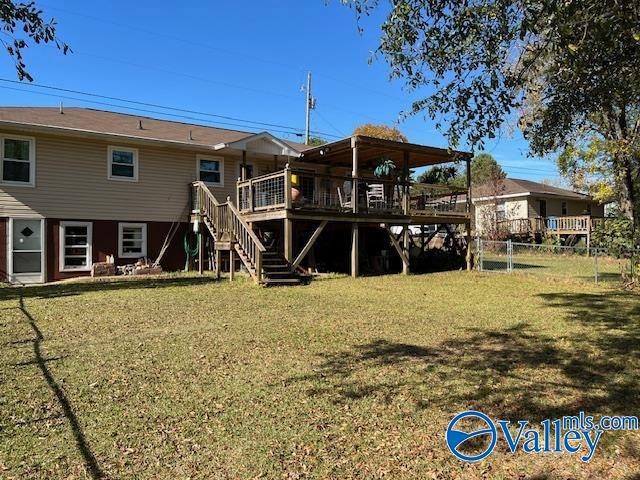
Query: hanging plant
[(384, 168)]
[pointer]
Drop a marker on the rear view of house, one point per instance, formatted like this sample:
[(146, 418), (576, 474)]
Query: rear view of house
[(81, 186), (526, 208)]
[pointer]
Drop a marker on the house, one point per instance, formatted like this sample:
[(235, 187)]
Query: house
[(80, 186), (524, 207)]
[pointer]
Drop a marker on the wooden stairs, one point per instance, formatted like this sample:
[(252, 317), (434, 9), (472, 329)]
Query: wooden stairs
[(229, 230)]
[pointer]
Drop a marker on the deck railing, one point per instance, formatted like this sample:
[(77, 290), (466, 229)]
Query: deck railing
[(436, 199), (558, 225), (300, 189)]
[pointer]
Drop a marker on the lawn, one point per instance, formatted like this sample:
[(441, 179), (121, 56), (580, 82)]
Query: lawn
[(190, 378)]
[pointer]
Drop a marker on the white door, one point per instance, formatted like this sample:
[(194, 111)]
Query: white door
[(25, 252)]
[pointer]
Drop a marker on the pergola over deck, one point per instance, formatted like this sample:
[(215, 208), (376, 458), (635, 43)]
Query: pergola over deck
[(362, 152)]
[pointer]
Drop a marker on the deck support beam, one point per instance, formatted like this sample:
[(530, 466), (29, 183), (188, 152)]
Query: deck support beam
[(355, 267), (217, 260), (405, 240), (201, 229), (288, 240), (309, 244), (399, 249), (231, 263)]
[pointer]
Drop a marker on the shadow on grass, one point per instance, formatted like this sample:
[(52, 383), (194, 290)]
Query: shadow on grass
[(76, 288), (514, 373), (91, 464)]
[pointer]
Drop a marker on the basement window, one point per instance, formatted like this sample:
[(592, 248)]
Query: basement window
[(75, 246), (132, 240), (18, 158), (123, 164)]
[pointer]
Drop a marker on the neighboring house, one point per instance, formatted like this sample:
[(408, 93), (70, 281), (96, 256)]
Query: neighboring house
[(79, 186), (523, 207)]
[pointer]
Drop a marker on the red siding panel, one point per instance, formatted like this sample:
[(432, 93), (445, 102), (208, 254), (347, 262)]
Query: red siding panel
[(105, 242)]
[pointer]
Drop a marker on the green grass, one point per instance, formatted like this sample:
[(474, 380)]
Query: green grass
[(188, 378), (579, 267)]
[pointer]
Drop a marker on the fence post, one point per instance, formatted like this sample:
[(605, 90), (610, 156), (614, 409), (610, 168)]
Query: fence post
[(509, 256), (480, 255), (595, 260)]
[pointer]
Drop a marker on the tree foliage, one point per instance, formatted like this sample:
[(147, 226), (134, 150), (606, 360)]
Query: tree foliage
[(22, 24), (485, 170), (317, 141), (566, 71), (380, 131)]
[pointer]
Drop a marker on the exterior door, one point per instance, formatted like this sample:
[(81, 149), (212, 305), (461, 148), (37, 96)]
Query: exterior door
[(26, 250), (543, 208)]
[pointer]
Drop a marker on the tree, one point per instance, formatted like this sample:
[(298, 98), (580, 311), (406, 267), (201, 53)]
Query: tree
[(380, 131), (486, 170), (438, 175), (27, 19), (317, 141), (566, 71)]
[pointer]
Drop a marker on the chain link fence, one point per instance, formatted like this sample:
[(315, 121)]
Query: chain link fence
[(593, 264)]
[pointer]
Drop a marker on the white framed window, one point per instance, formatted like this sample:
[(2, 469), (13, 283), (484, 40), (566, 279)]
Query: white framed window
[(18, 160), (76, 246), (132, 240), (501, 212), (122, 164), (211, 170)]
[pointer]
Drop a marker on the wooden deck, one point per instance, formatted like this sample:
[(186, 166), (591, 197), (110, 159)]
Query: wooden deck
[(567, 225)]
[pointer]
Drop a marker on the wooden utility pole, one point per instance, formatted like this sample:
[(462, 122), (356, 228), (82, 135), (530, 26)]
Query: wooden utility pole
[(310, 105)]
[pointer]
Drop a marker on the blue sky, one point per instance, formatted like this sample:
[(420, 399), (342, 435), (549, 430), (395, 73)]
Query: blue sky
[(246, 60)]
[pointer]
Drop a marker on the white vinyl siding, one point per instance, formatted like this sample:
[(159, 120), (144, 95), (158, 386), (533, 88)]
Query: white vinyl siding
[(123, 164), (75, 246), (17, 160), (132, 240)]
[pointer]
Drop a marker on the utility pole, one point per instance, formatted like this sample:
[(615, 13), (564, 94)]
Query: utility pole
[(311, 105)]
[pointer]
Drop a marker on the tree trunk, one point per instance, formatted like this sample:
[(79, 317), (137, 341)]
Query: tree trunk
[(628, 205)]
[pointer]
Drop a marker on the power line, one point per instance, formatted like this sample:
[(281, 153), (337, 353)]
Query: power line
[(294, 130), (127, 108)]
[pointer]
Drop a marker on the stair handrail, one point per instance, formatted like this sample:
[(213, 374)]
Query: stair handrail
[(225, 218), (243, 234)]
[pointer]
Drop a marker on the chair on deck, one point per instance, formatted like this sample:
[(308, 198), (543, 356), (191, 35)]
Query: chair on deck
[(375, 196), (344, 203)]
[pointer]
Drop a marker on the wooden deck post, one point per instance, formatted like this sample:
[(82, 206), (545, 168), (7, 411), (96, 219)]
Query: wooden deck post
[(468, 224), (218, 259), (406, 200), (355, 267), (288, 240), (231, 264), (243, 166), (355, 200), (405, 248), (200, 249)]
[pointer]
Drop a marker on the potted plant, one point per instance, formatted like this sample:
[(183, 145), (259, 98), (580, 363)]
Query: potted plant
[(385, 169)]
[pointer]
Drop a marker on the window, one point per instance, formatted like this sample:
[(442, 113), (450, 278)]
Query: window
[(75, 246), (501, 213), (123, 164), (564, 208), (17, 155), (211, 170), (132, 240)]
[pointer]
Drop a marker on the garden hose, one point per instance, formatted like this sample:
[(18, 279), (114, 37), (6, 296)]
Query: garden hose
[(188, 249)]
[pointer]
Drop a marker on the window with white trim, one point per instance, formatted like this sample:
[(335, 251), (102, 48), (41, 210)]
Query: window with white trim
[(75, 246), (211, 170), (123, 164), (132, 240), (18, 158), (501, 211)]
